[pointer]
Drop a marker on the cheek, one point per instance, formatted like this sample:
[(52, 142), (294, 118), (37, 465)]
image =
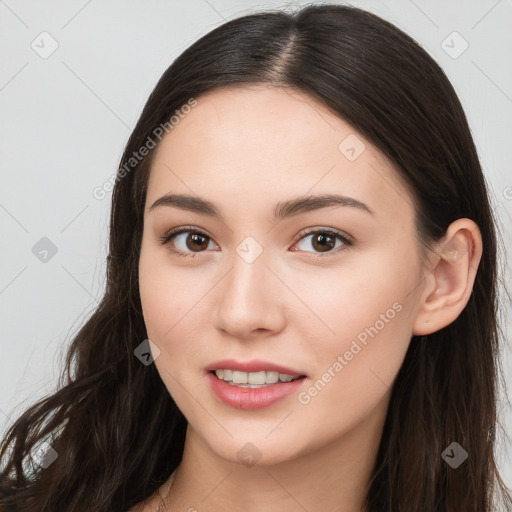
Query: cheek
[(355, 380), (166, 295), (355, 369), (369, 290), (154, 296), (174, 317), (362, 326), (168, 308)]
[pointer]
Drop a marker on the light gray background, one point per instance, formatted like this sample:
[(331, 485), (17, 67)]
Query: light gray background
[(65, 120)]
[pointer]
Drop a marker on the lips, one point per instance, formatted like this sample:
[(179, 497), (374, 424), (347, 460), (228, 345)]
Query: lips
[(252, 396)]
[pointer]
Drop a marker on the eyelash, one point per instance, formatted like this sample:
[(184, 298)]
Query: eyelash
[(164, 240)]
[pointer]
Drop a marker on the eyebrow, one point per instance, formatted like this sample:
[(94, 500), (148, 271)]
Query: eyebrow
[(282, 210)]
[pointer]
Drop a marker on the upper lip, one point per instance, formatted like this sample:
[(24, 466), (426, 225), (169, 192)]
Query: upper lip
[(255, 365)]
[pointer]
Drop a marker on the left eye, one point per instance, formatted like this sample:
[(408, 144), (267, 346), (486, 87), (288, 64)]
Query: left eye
[(194, 241), (324, 241)]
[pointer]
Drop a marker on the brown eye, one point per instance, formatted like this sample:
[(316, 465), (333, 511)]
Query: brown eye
[(323, 241), (186, 242), (196, 241)]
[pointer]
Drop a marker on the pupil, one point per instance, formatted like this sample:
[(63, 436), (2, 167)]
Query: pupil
[(196, 237), (323, 240)]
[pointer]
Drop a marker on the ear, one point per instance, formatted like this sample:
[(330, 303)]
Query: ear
[(448, 286)]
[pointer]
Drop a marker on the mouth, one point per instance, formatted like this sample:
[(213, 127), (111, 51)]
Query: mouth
[(254, 384), (254, 380)]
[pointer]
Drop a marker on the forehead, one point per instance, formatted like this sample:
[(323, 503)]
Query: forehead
[(259, 145)]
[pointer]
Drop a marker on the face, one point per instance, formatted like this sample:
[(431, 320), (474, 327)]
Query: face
[(326, 291)]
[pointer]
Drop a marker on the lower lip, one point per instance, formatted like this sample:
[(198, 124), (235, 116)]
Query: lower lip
[(252, 398)]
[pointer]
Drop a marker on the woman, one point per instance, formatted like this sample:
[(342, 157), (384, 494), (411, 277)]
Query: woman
[(301, 286)]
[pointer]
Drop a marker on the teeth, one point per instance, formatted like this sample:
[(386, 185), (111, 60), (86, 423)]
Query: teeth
[(272, 377), (256, 378), (252, 379), (239, 377)]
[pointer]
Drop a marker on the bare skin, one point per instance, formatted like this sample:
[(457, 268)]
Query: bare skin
[(299, 303)]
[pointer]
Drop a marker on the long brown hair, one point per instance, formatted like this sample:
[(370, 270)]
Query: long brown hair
[(116, 430)]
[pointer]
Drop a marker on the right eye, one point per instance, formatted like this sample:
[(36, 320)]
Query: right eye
[(185, 240)]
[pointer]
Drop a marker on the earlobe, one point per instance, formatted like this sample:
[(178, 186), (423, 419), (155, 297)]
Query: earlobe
[(448, 286)]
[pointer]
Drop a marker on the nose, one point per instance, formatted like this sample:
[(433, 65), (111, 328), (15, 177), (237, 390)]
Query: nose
[(250, 299)]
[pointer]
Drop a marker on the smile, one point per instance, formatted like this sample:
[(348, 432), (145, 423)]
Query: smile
[(252, 384), (253, 380)]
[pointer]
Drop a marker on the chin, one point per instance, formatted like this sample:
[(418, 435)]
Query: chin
[(246, 450)]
